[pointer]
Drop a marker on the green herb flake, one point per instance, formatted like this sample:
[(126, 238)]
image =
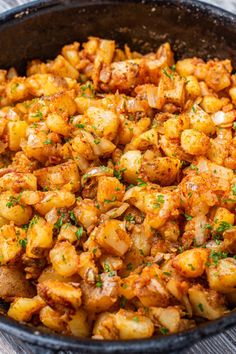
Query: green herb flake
[(233, 188), (216, 256), (234, 125), (129, 266), (136, 319), (164, 330), (130, 218), (79, 232), (160, 200), (123, 302), (23, 243), (141, 183), (187, 217), (80, 126), (170, 76), (48, 142)]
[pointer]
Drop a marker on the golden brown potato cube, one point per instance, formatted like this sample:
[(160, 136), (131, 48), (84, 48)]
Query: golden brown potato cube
[(201, 121), (206, 303), (192, 86), (17, 89), (64, 258), (58, 124), (61, 67), (185, 67), (71, 53), (55, 199), (218, 75), (105, 122), (150, 287), (12, 209), (105, 327), (130, 163), (131, 325), (63, 176), (14, 284), (87, 268), (161, 170), (68, 233), (60, 296), (46, 84), (11, 239), (22, 309), (102, 295), (39, 237), (17, 181), (79, 325), (222, 276), (127, 286), (61, 103), (169, 317), (222, 215), (52, 319), (86, 213), (194, 142), (16, 131), (211, 104), (229, 243), (109, 190), (50, 274), (191, 263), (112, 236)]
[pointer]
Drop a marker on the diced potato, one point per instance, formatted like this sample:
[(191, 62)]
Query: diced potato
[(192, 86), (222, 277), (130, 163), (16, 131), (59, 295), (86, 213), (52, 319), (101, 296), (71, 53), (79, 325), (105, 326), (109, 190), (22, 309), (64, 258), (16, 89), (191, 263), (229, 243), (174, 126), (201, 121), (113, 238), (39, 238), (10, 240), (12, 209), (150, 287), (185, 67), (105, 122), (194, 142), (206, 303), (132, 325), (58, 124), (50, 274), (211, 104), (63, 176), (55, 199), (87, 268), (218, 75), (169, 317), (68, 233), (161, 170), (61, 67), (222, 215), (17, 181), (145, 140), (127, 286)]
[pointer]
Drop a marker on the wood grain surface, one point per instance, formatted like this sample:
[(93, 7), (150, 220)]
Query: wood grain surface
[(223, 343)]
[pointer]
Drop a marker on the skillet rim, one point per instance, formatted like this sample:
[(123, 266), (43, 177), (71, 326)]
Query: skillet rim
[(157, 344)]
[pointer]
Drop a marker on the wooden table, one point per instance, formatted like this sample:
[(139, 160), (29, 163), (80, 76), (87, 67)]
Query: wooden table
[(224, 343)]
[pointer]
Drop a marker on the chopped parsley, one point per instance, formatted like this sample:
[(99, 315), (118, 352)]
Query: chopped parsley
[(12, 201), (164, 330), (136, 319), (201, 307), (34, 221), (72, 216), (141, 183), (129, 266), (216, 256), (99, 282), (58, 224), (234, 125), (23, 243), (223, 226), (118, 173), (187, 217), (80, 126), (123, 301), (107, 267), (107, 201), (130, 218), (48, 142), (79, 232), (233, 188), (160, 200), (97, 141), (170, 76)]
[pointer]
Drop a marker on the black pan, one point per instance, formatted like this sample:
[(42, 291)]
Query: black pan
[(42, 28)]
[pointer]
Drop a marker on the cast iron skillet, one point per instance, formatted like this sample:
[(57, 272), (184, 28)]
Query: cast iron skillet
[(42, 28)]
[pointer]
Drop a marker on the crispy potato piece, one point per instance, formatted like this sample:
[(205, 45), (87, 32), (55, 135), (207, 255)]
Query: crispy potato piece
[(14, 284), (191, 263), (79, 325), (105, 327), (11, 208), (132, 325), (161, 170), (59, 295), (22, 309), (169, 317), (130, 163), (206, 303), (113, 238), (64, 176), (55, 199), (52, 319), (105, 122), (101, 296), (11, 239), (39, 238), (16, 131), (86, 213), (222, 276), (194, 142), (17, 182), (64, 258), (109, 190)]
